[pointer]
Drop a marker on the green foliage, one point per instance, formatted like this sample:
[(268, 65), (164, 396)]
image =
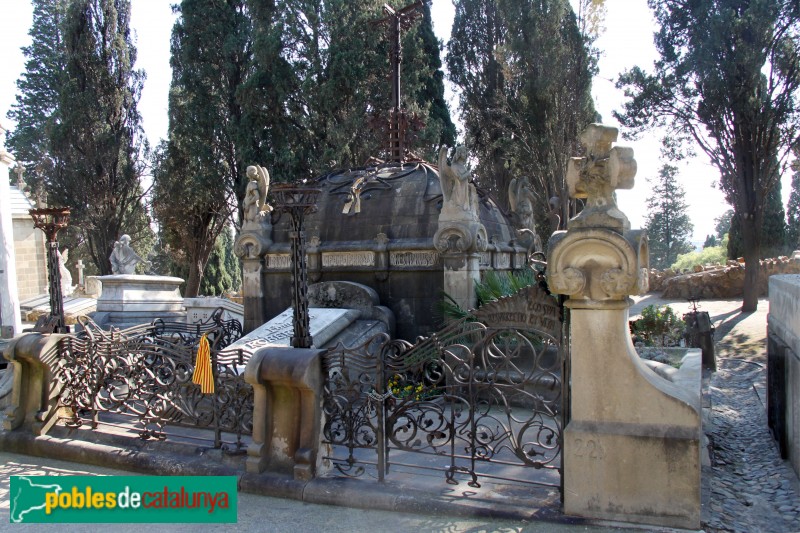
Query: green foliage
[(199, 168), (707, 256), (793, 211), (668, 225), (38, 94), (524, 72), (658, 326), (773, 231), (494, 285), (728, 79), (723, 223), (98, 142), (78, 132), (711, 240)]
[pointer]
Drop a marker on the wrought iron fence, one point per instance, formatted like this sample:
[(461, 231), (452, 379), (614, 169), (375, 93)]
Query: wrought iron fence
[(473, 400), (145, 372)]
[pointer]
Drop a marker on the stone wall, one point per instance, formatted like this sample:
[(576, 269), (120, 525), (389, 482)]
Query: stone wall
[(783, 365), (718, 281), (30, 259)]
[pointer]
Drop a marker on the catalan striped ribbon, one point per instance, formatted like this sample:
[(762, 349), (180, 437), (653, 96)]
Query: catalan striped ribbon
[(203, 373)]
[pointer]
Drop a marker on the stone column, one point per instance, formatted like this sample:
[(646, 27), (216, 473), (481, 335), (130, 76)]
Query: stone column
[(251, 246), (632, 446), (10, 317)]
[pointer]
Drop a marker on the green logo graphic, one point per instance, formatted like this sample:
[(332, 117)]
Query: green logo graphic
[(118, 499)]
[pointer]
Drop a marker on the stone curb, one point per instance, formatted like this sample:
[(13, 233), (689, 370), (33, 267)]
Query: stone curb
[(326, 491)]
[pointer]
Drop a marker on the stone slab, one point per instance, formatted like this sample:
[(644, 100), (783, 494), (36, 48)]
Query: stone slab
[(325, 324), (632, 472)]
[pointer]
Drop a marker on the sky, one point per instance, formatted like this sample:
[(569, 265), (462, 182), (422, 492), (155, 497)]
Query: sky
[(626, 42)]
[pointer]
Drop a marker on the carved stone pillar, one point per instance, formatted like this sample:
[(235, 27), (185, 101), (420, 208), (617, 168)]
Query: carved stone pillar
[(459, 243), (632, 445), (250, 247)]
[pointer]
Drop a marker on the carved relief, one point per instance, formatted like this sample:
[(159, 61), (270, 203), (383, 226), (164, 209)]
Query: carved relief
[(568, 281), (413, 259), (249, 246), (344, 259), (617, 282)]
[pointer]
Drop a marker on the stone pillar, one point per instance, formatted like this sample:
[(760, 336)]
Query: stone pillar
[(10, 317), (251, 246), (632, 445)]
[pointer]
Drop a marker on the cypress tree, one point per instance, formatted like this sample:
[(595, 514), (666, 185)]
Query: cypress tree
[(793, 211), (668, 225), (98, 144), (38, 93)]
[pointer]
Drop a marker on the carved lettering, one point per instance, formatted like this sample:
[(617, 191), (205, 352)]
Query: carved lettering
[(502, 260), (342, 259), (278, 261), (485, 259), (413, 258), (589, 448)]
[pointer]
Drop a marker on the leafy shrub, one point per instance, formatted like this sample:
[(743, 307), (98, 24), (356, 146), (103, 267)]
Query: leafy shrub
[(658, 326), (706, 256)]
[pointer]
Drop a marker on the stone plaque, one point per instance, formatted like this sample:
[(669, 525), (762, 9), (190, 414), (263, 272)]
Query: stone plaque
[(502, 260), (279, 261), (486, 259), (528, 309), (413, 259), (325, 324), (345, 259)]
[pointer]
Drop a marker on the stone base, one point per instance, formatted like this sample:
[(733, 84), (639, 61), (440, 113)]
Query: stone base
[(630, 472), (130, 299)]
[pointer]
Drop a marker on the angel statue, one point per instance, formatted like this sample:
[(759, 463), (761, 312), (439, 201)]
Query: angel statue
[(521, 200), (458, 192), (67, 288), (255, 204), (124, 258)]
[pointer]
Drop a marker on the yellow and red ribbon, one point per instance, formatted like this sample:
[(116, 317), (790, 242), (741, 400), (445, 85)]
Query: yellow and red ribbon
[(203, 373)]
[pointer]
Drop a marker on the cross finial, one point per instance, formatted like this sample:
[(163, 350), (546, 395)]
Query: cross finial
[(597, 175), (396, 21)]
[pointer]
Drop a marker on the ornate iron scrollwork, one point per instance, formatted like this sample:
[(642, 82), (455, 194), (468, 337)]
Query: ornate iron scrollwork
[(146, 371)]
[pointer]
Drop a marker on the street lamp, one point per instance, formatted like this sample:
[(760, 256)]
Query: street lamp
[(298, 200), (51, 220)]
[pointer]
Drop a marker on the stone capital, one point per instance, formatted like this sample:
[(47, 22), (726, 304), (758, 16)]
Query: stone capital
[(460, 237), (598, 264), (251, 244)]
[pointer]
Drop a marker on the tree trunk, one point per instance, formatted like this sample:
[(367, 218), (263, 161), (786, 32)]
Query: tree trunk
[(196, 268), (751, 243)]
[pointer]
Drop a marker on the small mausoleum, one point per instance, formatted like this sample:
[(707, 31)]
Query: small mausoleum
[(387, 227)]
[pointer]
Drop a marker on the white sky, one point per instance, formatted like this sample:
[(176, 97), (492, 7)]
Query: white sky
[(626, 42)]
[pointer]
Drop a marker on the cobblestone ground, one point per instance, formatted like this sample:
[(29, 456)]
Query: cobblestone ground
[(751, 488)]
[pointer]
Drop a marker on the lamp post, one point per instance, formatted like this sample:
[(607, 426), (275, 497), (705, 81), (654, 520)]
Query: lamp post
[(298, 200), (51, 220)]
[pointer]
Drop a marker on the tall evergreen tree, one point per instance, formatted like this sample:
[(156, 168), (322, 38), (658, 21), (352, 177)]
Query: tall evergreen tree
[(773, 231), (669, 228), (728, 78), (793, 210), (98, 143), (38, 93), (524, 71), (201, 166)]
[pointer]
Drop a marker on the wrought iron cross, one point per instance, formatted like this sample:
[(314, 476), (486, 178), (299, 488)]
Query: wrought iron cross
[(396, 21)]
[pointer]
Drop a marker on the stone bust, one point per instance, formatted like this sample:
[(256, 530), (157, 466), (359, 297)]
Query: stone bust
[(124, 258)]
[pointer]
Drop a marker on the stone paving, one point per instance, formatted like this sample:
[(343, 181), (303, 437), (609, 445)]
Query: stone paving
[(748, 487)]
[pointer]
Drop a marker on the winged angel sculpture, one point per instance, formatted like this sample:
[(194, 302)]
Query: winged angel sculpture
[(459, 194), (255, 204)]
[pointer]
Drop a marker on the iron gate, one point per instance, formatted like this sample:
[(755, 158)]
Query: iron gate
[(480, 399)]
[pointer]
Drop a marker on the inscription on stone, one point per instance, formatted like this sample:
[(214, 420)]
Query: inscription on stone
[(530, 308), (341, 259), (278, 261), (325, 323), (502, 260), (413, 258), (589, 448), (485, 259)]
